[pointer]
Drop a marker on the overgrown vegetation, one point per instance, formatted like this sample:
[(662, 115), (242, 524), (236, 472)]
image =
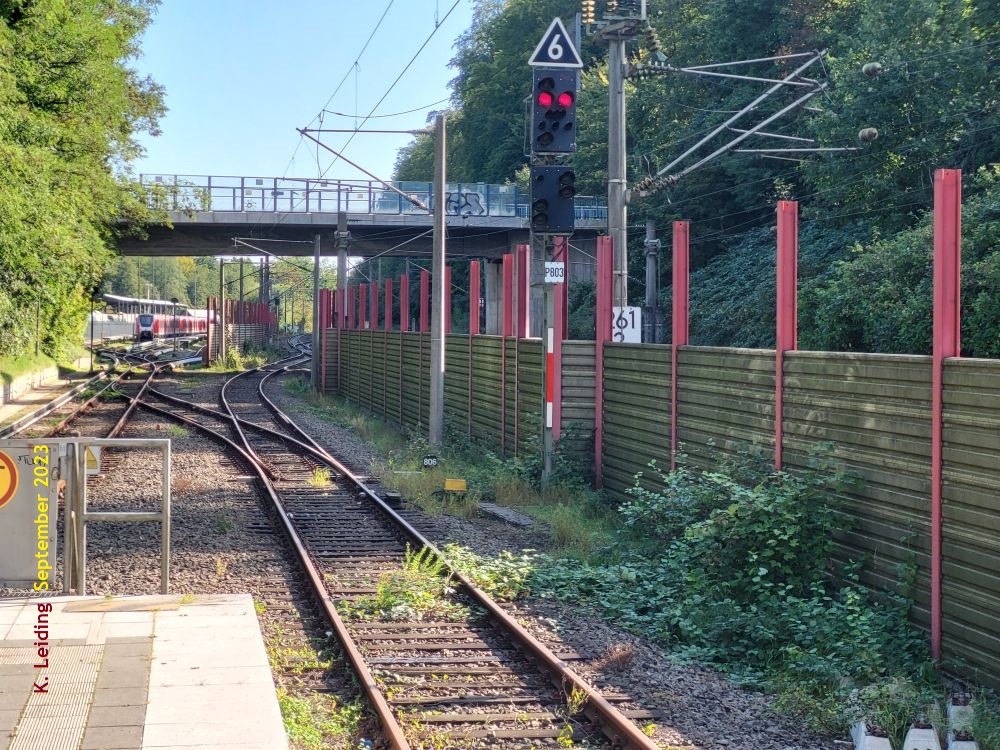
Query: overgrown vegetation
[(934, 106), (70, 109), (730, 567), (417, 591)]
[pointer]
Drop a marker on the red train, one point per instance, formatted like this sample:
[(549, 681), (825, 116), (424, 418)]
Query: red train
[(149, 326)]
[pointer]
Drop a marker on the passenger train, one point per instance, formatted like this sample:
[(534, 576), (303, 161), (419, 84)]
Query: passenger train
[(155, 319), (149, 326)]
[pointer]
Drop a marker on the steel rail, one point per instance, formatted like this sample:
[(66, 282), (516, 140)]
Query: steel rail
[(622, 732), (616, 726), (28, 420), (391, 727)]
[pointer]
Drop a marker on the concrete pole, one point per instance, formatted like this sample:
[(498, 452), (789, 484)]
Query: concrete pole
[(652, 260), (436, 425), (315, 374), (617, 211)]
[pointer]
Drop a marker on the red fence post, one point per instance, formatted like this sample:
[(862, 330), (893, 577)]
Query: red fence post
[(523, 290), (560, 252), (350, 307), (374, 303), (605, 281), (362, 306), (473, 326), (324, 323), (425, 290), (404, 303), (947, 343), (680, 317), (207, 358), (473, 297), (786, 338), (387, 323), (506, 330)]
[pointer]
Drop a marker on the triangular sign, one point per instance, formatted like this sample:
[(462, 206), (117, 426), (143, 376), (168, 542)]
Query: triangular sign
[(556, 49)]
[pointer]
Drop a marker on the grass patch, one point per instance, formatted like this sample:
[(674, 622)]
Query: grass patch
[(320, 478), (580, 520), (315, 722), (176, 430), (418, 591)]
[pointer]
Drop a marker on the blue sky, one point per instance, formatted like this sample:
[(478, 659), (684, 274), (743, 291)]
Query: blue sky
[(241, 75)]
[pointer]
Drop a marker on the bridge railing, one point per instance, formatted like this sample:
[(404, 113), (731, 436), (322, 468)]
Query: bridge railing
[(298, 195)]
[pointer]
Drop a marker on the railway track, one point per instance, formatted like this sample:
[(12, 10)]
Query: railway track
[(460, 673)]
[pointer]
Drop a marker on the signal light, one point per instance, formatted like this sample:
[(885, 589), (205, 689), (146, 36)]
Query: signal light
[(553, 190), (553, 112)]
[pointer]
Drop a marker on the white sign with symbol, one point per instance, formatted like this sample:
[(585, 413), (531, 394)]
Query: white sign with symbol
[(556, 49), (92, 454), (555, 272), (626, 325)]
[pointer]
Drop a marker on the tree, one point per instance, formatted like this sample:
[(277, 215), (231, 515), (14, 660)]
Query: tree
[(70, 108)]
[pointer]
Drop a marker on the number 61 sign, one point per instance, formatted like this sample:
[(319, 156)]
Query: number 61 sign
[(626, 325)]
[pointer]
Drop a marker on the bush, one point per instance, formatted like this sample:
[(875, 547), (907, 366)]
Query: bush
[(734, 568)]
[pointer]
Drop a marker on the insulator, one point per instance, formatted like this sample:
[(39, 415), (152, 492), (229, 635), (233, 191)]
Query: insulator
[(587, 11), (612, 7), (652, 39), (868, 134)]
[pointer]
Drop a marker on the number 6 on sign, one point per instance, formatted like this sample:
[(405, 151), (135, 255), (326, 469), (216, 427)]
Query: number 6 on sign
[(626, 325)]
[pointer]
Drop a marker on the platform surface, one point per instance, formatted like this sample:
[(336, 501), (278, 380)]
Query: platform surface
[(136, 673)]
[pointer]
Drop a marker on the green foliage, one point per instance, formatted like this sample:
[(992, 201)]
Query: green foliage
[(733, 567), (879, 299), (70, 107), (504, 578), (314, 722), (417, 591), (934, 106)]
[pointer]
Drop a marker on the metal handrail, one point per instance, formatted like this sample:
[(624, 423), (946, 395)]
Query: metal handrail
[(310, 195)]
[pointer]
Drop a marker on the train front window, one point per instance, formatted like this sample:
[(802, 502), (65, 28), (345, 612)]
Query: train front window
[(145, 320)]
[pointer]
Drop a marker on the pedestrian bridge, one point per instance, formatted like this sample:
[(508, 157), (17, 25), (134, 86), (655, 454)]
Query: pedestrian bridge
[(208, 212)]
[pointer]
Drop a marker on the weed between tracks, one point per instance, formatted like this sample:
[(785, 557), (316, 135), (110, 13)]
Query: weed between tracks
[(418, 591), (732, 567)]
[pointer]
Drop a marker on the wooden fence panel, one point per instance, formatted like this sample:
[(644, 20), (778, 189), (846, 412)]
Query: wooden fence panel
[(392, 376), (511, 397), (578, 399), (636, 414), (456, 383), (875, 409), (725, 401), (415, 386), (330, 382), (530, 395), (486, 388), (970, 640)]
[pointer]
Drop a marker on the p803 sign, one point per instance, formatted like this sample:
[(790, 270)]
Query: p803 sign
[(555, 272)]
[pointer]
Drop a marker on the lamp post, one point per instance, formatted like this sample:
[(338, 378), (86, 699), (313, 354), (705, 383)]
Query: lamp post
[(173, 301)]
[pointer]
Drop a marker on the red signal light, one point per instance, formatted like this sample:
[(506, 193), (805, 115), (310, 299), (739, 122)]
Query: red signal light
[(545, 98), (565, 99)]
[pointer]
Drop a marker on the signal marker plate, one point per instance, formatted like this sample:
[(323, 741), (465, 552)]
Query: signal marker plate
[(556, 49)]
